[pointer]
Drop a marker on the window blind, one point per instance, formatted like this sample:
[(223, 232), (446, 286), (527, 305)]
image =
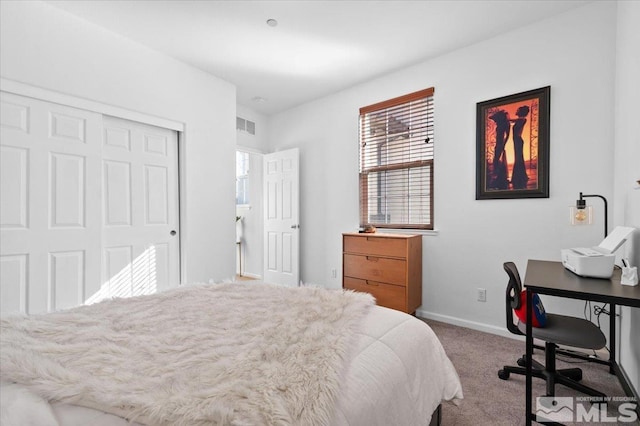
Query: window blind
[(396, 162)]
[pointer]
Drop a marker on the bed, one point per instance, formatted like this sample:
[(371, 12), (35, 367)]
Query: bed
[(236, 354)]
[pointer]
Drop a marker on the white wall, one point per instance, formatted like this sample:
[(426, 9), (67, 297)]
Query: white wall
[(259, 141), (46, 47), (627, 167), (589, 58), (574, 53)]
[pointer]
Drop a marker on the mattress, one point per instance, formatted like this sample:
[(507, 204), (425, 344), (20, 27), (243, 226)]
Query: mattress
[(398, 373)]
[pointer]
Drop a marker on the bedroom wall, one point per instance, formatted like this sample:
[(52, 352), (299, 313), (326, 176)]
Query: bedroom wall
[(49, 48), (574, 53), (627, 169)]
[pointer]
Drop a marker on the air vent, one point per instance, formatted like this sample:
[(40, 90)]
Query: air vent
[(245, 125)]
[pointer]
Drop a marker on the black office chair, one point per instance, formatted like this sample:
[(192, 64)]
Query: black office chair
[(558, 330)]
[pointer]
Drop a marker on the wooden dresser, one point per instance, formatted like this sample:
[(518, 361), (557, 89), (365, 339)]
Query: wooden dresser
[(389, 266)]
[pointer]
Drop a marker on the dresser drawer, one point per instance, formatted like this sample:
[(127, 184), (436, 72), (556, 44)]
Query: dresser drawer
[(380, 246), (387, 295), (374, 268)]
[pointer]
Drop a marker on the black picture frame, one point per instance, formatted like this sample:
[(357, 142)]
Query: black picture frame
[(512, 146)]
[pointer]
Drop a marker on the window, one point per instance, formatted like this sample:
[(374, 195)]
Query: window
[(242, 178), (396, 162)]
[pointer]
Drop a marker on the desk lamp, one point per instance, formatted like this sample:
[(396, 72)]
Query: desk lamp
[(581, 214)]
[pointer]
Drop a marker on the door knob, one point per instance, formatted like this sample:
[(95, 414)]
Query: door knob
[(173, 232), (295, 226)]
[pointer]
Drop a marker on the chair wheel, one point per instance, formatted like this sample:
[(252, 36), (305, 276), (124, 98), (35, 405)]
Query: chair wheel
[(522, 362), (504, 375)]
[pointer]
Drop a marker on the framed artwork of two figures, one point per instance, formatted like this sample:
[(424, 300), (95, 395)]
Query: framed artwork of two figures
[(512, 146)]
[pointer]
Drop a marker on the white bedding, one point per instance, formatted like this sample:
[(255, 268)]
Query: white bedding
[(398, 374)]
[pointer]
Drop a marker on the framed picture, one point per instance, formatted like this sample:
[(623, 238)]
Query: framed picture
[(512, 146)]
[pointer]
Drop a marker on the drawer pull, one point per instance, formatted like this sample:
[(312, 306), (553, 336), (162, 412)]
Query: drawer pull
[(371, 284), (372, 258)]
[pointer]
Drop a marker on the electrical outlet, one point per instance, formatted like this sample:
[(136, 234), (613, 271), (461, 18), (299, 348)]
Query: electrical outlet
[(482, 295), (334, 273)]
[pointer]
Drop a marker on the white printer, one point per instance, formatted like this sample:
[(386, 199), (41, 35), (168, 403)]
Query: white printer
[(596, 262)]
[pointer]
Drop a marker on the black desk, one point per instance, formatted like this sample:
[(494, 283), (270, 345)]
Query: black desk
[(544, 277)]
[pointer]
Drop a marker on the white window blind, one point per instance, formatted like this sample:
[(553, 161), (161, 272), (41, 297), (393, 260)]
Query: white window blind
[(396, 162)]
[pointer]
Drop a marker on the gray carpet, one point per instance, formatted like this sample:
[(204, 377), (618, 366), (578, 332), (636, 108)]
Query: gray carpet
[(488, 400)]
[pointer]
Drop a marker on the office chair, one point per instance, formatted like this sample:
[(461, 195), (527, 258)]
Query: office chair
[(559, 330)]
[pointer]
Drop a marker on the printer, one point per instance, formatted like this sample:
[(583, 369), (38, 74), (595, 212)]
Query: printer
[(596, 262)]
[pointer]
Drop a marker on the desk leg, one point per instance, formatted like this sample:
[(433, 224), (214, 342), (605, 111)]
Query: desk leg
[(529, 357), (612, 338)]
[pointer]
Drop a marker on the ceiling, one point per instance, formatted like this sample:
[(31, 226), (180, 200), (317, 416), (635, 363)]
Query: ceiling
[(318, 47)]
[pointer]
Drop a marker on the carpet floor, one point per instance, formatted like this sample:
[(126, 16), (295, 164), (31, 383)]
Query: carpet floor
[(489, 400)]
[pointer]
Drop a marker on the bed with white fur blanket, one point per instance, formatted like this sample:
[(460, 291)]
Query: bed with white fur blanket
[(226, 354)]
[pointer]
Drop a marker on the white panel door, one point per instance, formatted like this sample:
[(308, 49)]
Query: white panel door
[(88, 207), (281, 218), (140, 209), (49, 205)]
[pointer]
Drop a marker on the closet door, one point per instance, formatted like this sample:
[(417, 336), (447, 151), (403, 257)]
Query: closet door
[(50, 228), (88, 207), (140, 209)]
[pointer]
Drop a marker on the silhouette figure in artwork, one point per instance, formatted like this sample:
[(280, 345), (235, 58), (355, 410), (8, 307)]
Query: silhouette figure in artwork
[(503, 127), (519, 176)]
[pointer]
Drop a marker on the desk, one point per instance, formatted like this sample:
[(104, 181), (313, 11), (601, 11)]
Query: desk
[(544, 277)]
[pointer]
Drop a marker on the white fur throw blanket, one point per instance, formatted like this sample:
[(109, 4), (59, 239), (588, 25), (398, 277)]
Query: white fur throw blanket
[(224, 354)]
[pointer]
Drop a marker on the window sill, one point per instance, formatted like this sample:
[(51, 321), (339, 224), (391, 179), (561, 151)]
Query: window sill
[(424, 232)]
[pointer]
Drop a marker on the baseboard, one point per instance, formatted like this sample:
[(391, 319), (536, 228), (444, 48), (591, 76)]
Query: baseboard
[(467, 324)]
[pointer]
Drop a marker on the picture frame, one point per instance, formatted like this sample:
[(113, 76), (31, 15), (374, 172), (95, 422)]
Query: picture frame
[(512, 146)]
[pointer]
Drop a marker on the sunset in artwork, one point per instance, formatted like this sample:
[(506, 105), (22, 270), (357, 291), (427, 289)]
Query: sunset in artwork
[(511, 145)]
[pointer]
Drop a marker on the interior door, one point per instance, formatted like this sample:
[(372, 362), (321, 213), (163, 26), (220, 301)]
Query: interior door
[(281, 218), (140, 209), (50, 227)]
